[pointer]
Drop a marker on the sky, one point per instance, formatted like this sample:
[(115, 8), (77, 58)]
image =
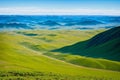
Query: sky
[(60, 7)]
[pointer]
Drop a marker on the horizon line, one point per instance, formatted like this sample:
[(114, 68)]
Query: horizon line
[(58, 15)]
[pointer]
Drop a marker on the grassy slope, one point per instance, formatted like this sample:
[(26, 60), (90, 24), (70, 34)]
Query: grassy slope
[(86, 61), (17, 56)]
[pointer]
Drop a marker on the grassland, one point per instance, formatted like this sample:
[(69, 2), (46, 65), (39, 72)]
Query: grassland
[(23, 57)]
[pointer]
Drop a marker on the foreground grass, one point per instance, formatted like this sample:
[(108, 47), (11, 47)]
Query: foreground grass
[(15, 75)]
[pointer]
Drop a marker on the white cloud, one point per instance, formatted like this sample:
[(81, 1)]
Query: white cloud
[(38, 11)]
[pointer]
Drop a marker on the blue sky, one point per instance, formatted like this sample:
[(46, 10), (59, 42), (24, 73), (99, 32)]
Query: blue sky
[(77, 7)]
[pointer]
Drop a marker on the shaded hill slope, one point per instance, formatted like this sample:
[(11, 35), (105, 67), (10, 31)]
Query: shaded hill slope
[(104, 45)]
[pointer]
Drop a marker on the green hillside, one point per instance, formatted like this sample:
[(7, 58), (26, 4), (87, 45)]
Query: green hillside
[(22, 57), (104, 45)]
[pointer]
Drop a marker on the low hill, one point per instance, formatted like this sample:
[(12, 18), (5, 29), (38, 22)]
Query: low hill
[(104, 45)]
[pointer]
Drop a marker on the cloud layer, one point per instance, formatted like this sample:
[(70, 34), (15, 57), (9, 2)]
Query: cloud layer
[(38, 11)]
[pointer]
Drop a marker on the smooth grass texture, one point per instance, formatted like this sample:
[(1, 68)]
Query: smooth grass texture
[(17, 54)]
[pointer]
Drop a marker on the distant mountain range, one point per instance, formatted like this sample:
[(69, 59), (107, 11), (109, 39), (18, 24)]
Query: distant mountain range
[(58, 22), (14, 26), (104, 45)]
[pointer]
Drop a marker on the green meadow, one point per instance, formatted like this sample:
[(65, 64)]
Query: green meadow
[(29, 55)]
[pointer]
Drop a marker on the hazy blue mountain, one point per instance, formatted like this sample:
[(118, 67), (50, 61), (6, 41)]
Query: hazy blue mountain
[(49, 23), (6, 26), (85, 22)]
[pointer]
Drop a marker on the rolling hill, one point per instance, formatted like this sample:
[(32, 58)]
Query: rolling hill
[(104, 45), (50, 40), (22, 56)]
